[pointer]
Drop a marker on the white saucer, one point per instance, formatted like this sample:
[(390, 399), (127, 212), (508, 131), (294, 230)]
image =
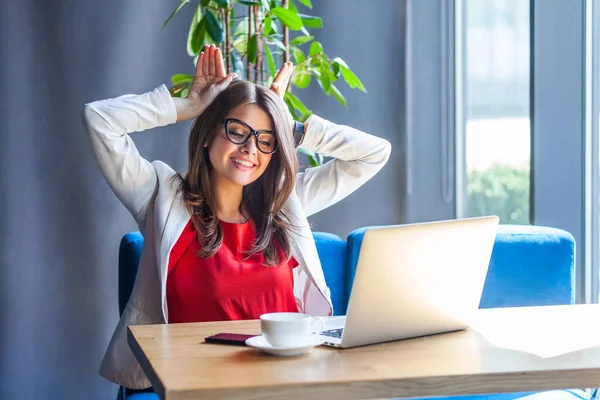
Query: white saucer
[(261, 343)]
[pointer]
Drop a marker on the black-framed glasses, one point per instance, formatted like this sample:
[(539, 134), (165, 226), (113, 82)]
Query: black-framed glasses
[(238, 132)]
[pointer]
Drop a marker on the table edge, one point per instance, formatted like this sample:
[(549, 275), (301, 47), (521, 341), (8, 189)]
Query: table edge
[(145, 364)]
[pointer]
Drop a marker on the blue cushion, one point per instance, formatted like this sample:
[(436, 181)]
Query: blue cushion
[(332, 254), (354, 240), (143, 396), (331, 249), (549, 395), (529, 266), (575, 394)]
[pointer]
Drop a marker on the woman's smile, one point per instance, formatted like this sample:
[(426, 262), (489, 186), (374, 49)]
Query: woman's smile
[(243, 165)]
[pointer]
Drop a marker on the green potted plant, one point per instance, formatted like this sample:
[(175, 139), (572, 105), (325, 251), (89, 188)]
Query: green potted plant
[(254, 37)]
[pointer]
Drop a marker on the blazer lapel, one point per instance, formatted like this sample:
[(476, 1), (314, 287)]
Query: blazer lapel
[(175, 221)]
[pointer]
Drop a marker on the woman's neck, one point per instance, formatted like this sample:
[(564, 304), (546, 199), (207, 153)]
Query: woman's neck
[(228, 197)]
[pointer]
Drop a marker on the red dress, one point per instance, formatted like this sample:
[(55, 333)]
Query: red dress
[(226, 286)]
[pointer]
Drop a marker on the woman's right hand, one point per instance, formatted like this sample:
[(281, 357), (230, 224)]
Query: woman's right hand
[(209, 80)]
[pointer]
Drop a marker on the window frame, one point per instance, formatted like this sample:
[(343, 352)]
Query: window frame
[(434, 146)]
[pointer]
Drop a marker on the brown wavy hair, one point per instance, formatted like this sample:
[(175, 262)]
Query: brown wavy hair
[(263, 199)]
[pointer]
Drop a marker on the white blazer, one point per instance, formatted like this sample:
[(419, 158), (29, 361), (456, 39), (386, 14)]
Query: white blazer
[(147, 191)]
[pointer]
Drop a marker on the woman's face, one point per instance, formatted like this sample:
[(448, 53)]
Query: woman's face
[(240, 164)]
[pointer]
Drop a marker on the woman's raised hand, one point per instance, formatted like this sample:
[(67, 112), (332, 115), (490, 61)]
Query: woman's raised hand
[(281, 82), (282, 79), (209, 80)]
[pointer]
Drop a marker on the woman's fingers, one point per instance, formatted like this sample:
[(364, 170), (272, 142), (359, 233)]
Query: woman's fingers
[(199, 65), (288, 75), (226, 81), (220, 68), (207, 56), (282, 79), (280, 74), (211, 61)]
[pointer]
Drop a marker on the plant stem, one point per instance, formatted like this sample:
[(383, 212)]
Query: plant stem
[(286, 36), (250, 19), (258, 72), (227, 51)]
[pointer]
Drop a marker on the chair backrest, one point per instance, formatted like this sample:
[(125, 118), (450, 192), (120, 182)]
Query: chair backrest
[(529, 266), (331, 249), (130, 251)]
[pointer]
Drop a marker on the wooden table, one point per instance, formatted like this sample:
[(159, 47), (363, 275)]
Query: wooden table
[(507, 350)]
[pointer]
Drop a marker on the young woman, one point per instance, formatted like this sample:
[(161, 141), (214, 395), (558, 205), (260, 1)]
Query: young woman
[(229, 238)]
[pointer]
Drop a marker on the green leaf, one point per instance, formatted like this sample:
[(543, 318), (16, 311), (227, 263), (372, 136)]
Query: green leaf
[(310, 21), (291, 109), (241, 28), (301, 78), (240, 44), (340, 61), (338, 95), (288, 18), (181, 78), (292, 7), (204, 3), (196, 34), (352, 80), (268, 25), (304, 151), (313, 161), (222, 3), (303, 30), (325, 78), (249, 2), (297, 54), (266, 5), (214, 27), (304, 117), (175, 11), (307, 3), (178, 90), (349, 76), (312, 156), (336, 69), (296, 102), (315, 48), (278, 43), (185, 92), (270, 61), (297, 41), (252, 48)]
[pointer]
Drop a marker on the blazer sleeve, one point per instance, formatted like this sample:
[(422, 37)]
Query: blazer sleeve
[(358, 156), (108, 123)]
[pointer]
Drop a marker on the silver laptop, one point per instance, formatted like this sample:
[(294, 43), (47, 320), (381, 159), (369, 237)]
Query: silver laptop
[(415, 280)]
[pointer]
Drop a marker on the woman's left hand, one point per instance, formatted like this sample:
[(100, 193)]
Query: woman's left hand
[(280, 85), (282, 79)]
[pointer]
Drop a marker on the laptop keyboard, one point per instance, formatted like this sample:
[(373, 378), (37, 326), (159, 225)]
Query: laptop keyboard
[(336, 333)]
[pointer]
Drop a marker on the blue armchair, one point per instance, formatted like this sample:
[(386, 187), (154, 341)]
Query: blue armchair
[(529, 266)]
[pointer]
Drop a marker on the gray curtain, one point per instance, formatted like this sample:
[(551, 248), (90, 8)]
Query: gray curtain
[(60, 223)]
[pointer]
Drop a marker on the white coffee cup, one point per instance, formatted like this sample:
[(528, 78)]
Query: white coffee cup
[(284, 329)]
